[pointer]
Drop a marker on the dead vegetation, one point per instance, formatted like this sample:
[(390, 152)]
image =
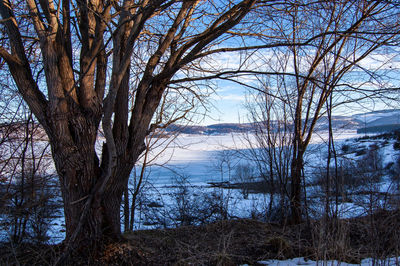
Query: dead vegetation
[(237, 242)]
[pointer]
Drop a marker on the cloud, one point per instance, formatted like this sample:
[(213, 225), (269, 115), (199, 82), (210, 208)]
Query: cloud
[(381, 61), (230, 97)]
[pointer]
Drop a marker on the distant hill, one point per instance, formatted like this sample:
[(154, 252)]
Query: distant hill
[(377, 121), (338, 123), (371, 122), (215, 129)]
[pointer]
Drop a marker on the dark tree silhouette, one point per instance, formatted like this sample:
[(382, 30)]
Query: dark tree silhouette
[(79, 64)]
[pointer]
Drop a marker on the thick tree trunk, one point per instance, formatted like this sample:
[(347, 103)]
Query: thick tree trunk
[(81, 230), (89, 230), (73, 103), (112, 199), (77, 180), (91, 217)]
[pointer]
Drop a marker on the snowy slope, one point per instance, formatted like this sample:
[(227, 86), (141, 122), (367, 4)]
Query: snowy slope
[(378, 118)]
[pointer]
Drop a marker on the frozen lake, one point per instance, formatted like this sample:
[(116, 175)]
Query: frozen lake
[(199, 158)]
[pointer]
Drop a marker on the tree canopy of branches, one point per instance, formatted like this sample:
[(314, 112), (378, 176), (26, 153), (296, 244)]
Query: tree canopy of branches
[(82, 66), (330, 42)]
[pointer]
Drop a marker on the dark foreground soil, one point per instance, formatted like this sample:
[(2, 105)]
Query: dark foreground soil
[(237, 242)]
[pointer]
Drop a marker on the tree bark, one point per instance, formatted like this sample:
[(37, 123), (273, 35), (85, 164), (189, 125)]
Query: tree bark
[(101, 222), (71, 104), (295, 199)]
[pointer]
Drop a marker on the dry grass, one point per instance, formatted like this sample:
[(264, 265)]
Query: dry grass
[(241, 241)]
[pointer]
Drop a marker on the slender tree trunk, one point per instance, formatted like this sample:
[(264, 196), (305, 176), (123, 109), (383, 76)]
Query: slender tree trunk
[(295, 198), (126, 209)]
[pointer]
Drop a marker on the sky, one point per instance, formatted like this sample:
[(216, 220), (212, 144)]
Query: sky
[(228, 101), (228, 104)]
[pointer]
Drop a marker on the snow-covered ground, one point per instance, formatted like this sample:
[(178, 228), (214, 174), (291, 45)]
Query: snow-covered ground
[(302, 261), (197, 159)]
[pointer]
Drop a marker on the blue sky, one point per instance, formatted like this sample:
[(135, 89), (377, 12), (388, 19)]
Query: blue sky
[(230, 98), (227, 104)]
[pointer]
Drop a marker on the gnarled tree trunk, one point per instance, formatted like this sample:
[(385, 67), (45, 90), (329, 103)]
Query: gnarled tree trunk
[(73, 46)]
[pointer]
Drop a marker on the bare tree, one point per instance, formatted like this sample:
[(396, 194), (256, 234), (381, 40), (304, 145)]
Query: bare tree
[(269, 146), (76, 68), (29, 195), (224, 162), (330, 41), (157, 143)]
